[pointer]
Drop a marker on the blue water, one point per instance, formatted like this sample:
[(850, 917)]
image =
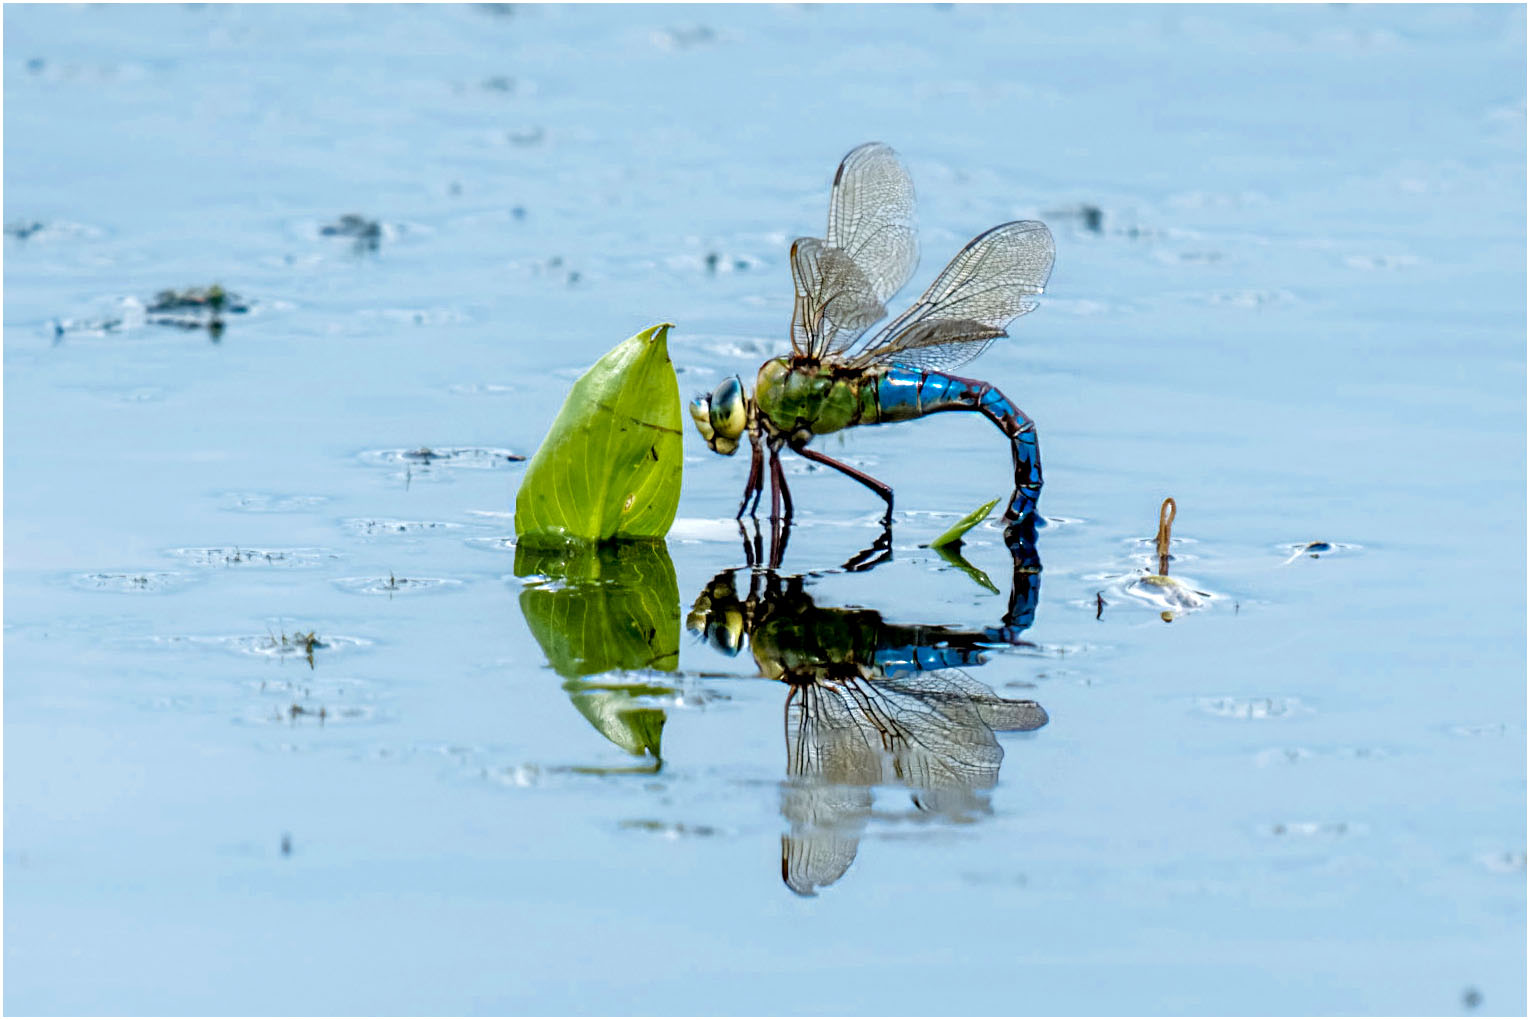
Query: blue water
[(1300, 311)]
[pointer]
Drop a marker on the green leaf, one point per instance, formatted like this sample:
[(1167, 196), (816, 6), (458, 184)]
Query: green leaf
[(601, 609), (610, 465), (953, 534)]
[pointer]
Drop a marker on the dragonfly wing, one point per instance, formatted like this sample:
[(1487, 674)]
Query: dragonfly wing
[(834, 301), (869, 253), (990, 283), (871, 217)]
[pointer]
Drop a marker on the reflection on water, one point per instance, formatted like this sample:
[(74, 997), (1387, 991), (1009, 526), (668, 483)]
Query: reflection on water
[(870, 705), (606, 609)]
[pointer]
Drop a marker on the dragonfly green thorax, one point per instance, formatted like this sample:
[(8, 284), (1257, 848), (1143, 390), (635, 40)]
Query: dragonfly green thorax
[(795, 401)]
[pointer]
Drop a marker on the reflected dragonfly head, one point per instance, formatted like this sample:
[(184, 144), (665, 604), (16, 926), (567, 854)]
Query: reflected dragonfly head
[(722, 416), (719, 617)]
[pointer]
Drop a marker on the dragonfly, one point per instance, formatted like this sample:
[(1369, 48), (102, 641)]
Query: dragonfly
[(834, 380), (870, 704)]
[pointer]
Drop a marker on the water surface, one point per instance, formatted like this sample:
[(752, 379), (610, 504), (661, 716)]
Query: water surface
[(286, 732)]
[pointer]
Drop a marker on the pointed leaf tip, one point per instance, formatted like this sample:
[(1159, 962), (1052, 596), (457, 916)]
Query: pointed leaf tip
[(610, 466)]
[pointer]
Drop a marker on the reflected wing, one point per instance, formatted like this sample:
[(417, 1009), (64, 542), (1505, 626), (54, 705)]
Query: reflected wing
[(829, 738), (998, 713), (990, 283), (932, 732), (833, 767), (869, 253), (943, 739)]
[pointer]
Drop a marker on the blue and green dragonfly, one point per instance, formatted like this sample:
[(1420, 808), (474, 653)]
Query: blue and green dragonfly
[(832, 381)]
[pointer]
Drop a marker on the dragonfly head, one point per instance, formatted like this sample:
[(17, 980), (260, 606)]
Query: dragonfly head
[(722, 415)]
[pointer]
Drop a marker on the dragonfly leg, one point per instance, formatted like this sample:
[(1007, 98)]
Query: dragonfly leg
[(753, 557), (755, 483), (779, 493), (780, 533), (879, 551), (880, 488)]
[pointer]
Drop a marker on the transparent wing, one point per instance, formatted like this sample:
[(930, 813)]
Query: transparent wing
[(834, 301), (925, 730), (871, 217), (869, 253), (991, 282), (832, 764), (944, 741)]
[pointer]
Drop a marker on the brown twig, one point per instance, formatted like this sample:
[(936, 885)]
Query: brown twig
[(1165, 525)]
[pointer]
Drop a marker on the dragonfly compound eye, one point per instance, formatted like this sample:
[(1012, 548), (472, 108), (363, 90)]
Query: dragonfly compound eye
[(729, 415), (701, 414)]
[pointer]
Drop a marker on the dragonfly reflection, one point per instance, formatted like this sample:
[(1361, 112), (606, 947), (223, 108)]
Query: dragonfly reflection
[(833, 381), (871, 704)]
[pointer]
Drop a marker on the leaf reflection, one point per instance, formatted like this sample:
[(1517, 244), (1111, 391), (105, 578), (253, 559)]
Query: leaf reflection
[(604, 611), (871, 705)]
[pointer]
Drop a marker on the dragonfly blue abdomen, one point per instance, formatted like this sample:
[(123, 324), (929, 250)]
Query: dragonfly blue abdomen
[(905, 393)]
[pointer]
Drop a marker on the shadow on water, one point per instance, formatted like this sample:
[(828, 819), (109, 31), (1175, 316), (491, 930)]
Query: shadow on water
[(871, 704), (606, 611)]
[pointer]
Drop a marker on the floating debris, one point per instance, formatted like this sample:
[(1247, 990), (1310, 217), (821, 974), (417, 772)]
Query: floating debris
[(267, 646), (384, 526), (1169, 595), (1089, 217), (1253, 708), (212, 299), (299, 642), (193, 308), (130, 315), (1167, 592), (1315, 550), (145, 582), (392, 585), (24, 230), (436, 463), (234, 556), (366, 234), (1329, 830), (669, 830), (271, 503)]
